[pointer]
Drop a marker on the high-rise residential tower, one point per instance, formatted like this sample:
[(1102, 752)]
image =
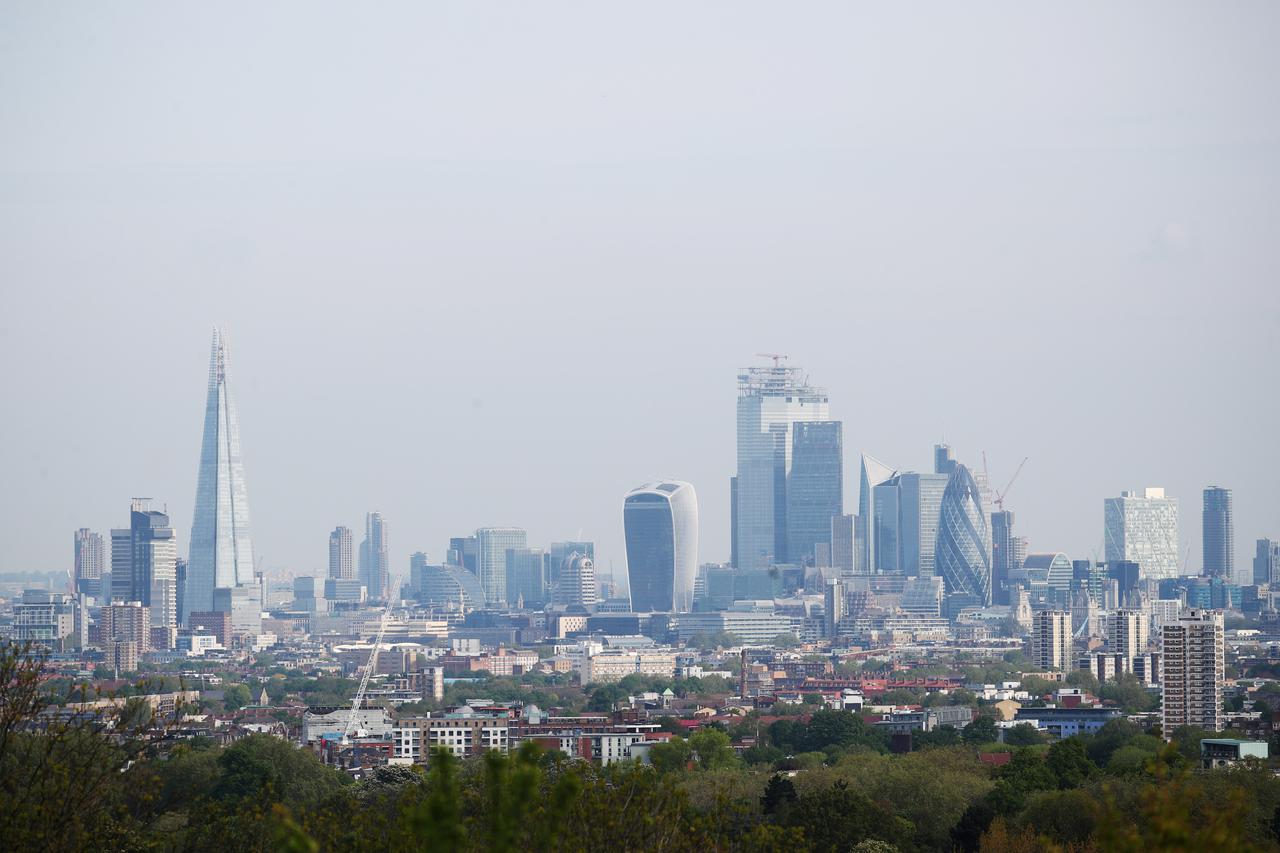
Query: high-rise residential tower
[(340, 563), (1127, 632), (1219, 534), (221, 550), (91, 558), (375, 565), (1143, 528), (1266, 562), (1192, 658), (144, 564), (1051, 640), (660, 522), (771, 400), (963, 543), (815, 489), (492, 544)]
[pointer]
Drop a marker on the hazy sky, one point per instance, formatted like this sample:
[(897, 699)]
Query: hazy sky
[(496, 264)]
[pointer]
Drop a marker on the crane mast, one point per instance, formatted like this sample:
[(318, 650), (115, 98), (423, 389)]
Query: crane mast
[(368, 672)]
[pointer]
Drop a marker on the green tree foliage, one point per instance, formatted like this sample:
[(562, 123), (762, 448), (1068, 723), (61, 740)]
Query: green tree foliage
[(1070, 763), (236, 696), (981, 730), (825, 729), (1023, 734), (839, 817), (779, 794), (605, 697), (711, 749), (71, 786), (1129, 693), (672, 756), (1084, 679), (941, 736)]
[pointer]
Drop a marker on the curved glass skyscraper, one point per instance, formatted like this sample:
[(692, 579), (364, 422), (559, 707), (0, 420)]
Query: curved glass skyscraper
[(221, 552), (963, 548), (661, 525)]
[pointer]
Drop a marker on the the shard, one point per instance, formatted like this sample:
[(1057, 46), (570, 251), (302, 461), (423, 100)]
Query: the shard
[(221, 550)]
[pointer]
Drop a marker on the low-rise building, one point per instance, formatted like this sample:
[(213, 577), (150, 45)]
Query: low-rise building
[(612, 666), (1223, 752)]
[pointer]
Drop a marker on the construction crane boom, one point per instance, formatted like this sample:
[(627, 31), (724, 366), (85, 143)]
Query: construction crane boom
[(1000, 495), (368, 672)]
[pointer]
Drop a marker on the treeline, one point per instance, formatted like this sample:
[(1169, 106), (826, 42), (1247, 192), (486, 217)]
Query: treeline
[(73, 784)]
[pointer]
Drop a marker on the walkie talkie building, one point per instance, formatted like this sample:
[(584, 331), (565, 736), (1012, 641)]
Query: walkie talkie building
[(661, 525)]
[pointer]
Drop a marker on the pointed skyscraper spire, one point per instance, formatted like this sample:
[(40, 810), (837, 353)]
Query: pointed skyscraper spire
[(221, 551)]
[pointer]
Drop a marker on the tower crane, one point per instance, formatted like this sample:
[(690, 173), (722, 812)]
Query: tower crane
[(1000, 495), (368, 673)]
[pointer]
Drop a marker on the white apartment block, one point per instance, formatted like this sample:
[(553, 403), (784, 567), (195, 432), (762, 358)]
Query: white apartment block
[(1193, 655), (1051, 640)]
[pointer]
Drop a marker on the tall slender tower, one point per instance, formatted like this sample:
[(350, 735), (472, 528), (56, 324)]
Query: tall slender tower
[(375, 565), (340, 565), (221, 550), (1192, 655), (815, 488), (771, 400), (91, 556), (1219, 534)]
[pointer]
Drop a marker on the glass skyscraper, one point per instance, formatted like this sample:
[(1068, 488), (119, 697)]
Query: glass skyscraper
[(375, 563), (660, 522), (1003, 555), (771, 400), (1143, 528), (1266, 562), (963, 543), (492, 544), (144, 564), (221, 552), (873, 473), (815, 489), (526, 577), (1219, 534)]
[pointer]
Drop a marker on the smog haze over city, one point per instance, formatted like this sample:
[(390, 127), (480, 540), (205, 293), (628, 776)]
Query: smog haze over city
[(498, 266), (715, 426)]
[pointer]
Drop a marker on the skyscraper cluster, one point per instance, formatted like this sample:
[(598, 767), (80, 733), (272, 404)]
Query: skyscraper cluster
[(938, 543)]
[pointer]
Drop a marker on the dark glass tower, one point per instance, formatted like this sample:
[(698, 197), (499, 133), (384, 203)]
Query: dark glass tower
[(815, 490), (1219, 534), (660, 522), (1002, 555)]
